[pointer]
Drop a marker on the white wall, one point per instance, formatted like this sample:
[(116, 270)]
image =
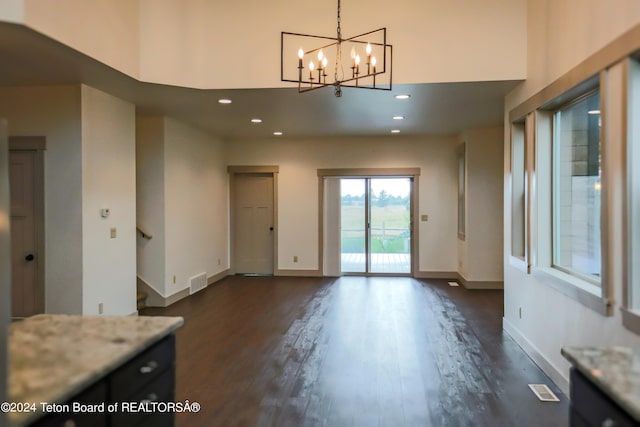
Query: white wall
[(12, 11), (54, 112), (562, 33), (205, 44), (108, 181), (182, 201), (249, 55), (106, 30), (196, 208), (150, 200), (298, 189), (551, 320), (481, 251)]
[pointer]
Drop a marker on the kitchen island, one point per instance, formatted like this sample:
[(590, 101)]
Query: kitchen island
[(70, 370), (605, 386)]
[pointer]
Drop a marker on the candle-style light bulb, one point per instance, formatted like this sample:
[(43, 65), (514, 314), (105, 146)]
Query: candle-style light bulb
[(320, 56), (373, 62), (311, 68), (324, 62), (353, 57), (300, 56), (357, 60), (368, 49)]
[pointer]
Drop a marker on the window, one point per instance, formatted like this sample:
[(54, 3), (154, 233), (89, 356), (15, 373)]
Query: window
[(576, 188), (462, 189), (566, 231), (518, 192)]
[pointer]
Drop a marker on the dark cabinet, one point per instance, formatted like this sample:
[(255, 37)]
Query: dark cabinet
[(94, 395), (137, 387), (591, 407)]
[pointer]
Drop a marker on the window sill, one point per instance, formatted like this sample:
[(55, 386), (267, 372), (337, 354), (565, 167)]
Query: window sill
[(582, 291), (630, 320)]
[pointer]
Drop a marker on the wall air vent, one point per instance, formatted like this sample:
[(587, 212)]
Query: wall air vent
[(197, 283)]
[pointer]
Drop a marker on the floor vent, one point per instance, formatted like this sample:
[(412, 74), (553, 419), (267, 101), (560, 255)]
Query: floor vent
[(454, 284), (197, 283), (544, 393)]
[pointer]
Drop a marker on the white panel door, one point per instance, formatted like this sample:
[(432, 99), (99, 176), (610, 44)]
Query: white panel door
[(253, 223)]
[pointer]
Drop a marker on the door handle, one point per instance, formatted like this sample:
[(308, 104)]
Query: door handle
[(29, 257), (270, 228)]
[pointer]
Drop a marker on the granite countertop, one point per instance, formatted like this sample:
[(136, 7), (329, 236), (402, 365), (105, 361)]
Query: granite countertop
[(53, 357), (615, 370)]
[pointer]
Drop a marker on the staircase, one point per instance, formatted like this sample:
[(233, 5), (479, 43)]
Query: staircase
[(141, 299)]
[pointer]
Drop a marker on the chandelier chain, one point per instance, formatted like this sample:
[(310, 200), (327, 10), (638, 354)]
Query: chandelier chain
[(336, 79), (339, 29)]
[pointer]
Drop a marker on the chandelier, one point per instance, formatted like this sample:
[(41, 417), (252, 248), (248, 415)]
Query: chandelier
[(321, 62)]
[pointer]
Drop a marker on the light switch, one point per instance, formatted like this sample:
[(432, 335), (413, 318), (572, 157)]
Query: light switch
[(424, 218), (113, 232)]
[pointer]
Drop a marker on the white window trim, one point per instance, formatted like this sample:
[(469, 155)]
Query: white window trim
[(631, 136)]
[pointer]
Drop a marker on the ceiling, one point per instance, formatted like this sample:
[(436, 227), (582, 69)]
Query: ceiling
[(30, 58)]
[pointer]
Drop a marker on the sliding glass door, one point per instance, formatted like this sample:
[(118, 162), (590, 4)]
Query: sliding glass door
[(375, 225)]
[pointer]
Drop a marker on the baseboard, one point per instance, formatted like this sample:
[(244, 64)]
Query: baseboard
[(177, 296), (156, 299), (436, 275), (217, 277), (547, 367), (480, 284), (299, 273)]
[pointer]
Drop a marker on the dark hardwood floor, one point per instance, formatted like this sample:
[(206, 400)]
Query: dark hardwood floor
[(354, 351)]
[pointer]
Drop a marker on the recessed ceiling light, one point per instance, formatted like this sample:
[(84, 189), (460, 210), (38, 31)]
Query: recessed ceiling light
[(395, 131), (277, 133), (593, 112), (403, 96), (398, 117), (224, 101), (256, 120)]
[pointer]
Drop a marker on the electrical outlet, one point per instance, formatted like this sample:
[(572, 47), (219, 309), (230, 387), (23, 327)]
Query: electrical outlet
[(114, 232), (100, 308), (295, 258), (424, 217)]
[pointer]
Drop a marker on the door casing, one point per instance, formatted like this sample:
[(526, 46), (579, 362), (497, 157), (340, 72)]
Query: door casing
[(413, 173)]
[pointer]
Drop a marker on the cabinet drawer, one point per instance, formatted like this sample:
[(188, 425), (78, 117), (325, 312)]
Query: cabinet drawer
[(593, 406), (161, 389), (142, 369), (95, 395)]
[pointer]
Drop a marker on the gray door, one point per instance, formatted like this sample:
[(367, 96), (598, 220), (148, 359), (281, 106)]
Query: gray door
[(24, 259), (253, 224)]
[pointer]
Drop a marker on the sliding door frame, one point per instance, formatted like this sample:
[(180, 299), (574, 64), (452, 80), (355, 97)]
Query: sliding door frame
[(412, 173)]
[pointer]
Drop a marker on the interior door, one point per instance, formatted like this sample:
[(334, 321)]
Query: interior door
[(253, 224), (24, 258)]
